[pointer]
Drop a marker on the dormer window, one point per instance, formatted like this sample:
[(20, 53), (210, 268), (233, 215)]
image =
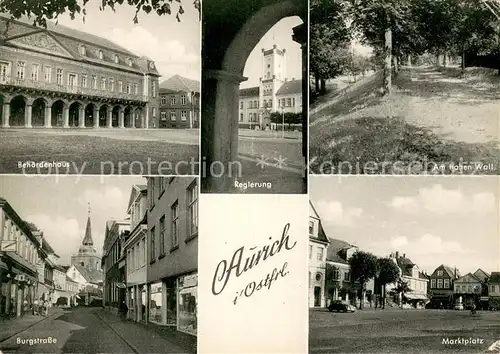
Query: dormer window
[(129, 60), (116, 59), (83, 50), (101, 55)]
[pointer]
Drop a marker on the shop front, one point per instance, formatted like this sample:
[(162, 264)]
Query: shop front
[(187, 303)]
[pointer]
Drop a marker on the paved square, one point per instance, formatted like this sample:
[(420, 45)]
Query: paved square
[(101, 151), (401, 331)]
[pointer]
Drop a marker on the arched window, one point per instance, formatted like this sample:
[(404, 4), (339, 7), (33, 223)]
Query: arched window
[(83, 50), (101, 55), (116, 59), (129, 61)]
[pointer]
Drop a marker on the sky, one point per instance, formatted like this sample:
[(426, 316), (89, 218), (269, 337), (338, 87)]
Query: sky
[(433, 220), (174, 46), (281, 35), (60, 208)]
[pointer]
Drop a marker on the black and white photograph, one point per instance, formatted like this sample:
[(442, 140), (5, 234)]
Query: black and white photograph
[(404, 264), (100, 87), (98, 264), (254, 97), (405, 87)]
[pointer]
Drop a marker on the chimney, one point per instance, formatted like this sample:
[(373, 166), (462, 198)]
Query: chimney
[(404, 255), (397, 254)]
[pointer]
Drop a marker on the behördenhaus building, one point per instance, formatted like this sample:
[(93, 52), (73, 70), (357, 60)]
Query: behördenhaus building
[(60, 77)]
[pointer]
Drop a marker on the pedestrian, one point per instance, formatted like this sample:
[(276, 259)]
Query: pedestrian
[(123, 309), (36, 305), (46, 307)]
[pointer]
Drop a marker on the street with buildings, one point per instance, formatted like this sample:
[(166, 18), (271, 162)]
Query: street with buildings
[(401, 306), (70, 84), (142, 284)]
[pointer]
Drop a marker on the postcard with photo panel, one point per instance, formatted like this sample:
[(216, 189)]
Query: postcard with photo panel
[(100, 91), (407, 88), (404, 265), (98, 264), (254, 97), (253, 266)]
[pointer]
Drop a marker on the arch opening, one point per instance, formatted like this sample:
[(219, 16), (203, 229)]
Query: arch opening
[(38, 111), (57, 119), (74, 114), (17, 111)]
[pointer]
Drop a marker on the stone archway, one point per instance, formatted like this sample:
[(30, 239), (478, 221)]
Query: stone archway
[(57, 118), (129, 117), (75, 114), (103, 116), (224, 56), (18, 111), (90, 114), (38, 112), (115, 116), (139, 118)]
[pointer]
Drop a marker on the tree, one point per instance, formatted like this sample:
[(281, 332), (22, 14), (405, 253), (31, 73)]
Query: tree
[(364, 266), (41, 11), (329, 41), (389, 272), (31, 226), (401, 289)]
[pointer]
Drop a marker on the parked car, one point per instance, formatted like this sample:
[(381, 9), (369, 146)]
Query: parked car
[(339, 306)]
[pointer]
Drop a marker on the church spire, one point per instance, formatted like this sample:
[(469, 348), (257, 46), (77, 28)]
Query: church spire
[(87, 240)]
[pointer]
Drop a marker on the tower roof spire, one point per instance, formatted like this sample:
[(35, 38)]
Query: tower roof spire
[(87, 240)]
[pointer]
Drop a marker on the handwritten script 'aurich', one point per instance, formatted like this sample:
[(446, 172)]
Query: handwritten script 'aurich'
[(245, 259)]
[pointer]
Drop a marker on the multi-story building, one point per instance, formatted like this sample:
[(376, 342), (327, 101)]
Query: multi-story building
[(318, 243), (71, 289), (135, 250), (173, 252), (19, 256), (468, 288), (86, 268), (275, 93), (113, 268), (416, 281), (179, 103), (45, 286), (61, 77), (442, 285), (494, 290)]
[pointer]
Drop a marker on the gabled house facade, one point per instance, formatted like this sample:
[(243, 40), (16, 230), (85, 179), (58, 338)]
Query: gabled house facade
[(135, 253), (416, 280), (467, 289), (338, 281), (318, 243), (441, 288), (494, 290)]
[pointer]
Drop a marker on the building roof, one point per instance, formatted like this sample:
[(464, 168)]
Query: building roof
[(92, 276), (467, 278), (481, 274), (337, 251), (321, 237), (87, 240), (290, 87), (494, 277), (71, 280), (423, 275), (60, 30), (178, 83), (250, 92)]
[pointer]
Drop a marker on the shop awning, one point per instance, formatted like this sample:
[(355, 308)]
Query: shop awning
[(410, 296)]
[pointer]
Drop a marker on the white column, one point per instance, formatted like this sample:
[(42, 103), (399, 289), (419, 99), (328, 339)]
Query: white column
[(66, 116), (48, 117), (6, 115), (110, 118), (81, 117), (27, 116), (221, 122), (96, 117), (121, 118)]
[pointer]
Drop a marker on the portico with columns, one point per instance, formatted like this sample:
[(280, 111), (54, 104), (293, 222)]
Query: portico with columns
[(35, 110), (224, 57)]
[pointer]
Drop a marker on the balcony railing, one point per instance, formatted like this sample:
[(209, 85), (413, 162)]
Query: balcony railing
[(75, 89)]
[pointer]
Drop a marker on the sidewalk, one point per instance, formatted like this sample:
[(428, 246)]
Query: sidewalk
[(11, 327), (149, 338)]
